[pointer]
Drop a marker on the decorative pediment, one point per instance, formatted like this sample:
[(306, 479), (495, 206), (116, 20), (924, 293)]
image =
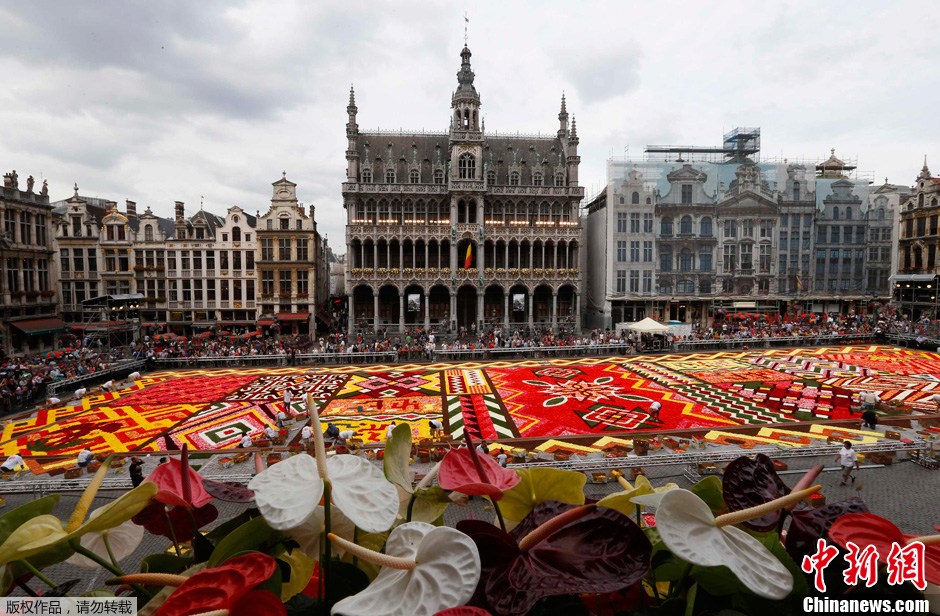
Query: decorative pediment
[(687, 173)]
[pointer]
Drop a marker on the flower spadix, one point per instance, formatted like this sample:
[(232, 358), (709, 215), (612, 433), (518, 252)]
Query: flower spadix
[(425, 569), (641, 493), (289, 492), (691, 532)]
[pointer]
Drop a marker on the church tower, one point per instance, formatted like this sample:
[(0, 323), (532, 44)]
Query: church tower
[(465, 101)]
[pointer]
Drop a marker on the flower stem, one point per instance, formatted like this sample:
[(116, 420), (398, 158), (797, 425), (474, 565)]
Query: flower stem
[(107, 546), (38, 574), (327, 546), (926, 539), (499, 514), (411, 506), (169, 525), (547, 528), (76, 545)]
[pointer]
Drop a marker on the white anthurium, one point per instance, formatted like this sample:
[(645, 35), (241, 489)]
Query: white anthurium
[(289, 492), (122, 540), (691, 532), (425, 569)]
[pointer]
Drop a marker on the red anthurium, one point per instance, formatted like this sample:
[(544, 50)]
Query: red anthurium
[(809, 525), (463, 610), (469, 473), (178, 484), (224, 588), (175, 522), (611, 553), (864, 529)]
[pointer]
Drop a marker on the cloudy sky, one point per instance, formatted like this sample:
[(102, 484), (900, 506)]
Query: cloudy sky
[(178, 100)]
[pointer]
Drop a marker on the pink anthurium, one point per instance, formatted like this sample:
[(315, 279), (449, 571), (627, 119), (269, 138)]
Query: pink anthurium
[(178, 484), (611, 553), (864, 529), (467, 472)]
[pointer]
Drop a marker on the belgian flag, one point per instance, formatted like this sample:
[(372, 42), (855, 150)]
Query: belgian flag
[(468, 260)]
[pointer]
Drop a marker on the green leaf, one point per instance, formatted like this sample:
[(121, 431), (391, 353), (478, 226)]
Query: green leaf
[(717, 581), (346, 580), (539, 485), (667, 567), (202, 548), (221, 531), (709, 490), (301, 569), (690, 600), (397, 456), (119, 511), (165, 563), (251, 536), (15, 518), (772, 542), (430, 505)]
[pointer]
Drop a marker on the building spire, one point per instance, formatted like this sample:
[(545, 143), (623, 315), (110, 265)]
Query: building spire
[(574, 128), (352, 96), (564, 107), (924, 171), (466, 23), (563, 118)]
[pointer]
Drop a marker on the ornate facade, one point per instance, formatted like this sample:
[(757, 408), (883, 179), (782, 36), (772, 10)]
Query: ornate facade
[(915, 285), (464, 228)]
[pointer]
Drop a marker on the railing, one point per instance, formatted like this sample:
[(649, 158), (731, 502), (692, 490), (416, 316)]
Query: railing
[(247, 361), (123, 368), (761, 343)]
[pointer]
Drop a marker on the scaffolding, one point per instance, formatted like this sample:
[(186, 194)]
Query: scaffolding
[(114, 320), (740, 145)]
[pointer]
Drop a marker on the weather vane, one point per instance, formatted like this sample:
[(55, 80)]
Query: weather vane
[(466, 20)]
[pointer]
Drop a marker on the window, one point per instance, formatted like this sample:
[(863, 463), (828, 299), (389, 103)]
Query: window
[(764, 258), (731, 228), (223, 258), (78, 261), (766, 228), (848, 213), (820, 262), (621, 251), (796, 191), (647, 282), (730, 263), (438, 176), (283, 249), (705, 227), (467, 166), (834, 234), (26, 232), (648, 222), (210, 260), (634, 281), (621, 281), (236, 234), (514, 178), (685, 260), (64, 259), (284, 224), (389, 176), (171, 260), (367, 176), (250, 260), (414, 177), (197, 260), (747, 256), (634, 222), (559, 179), (250, 290), (537, 178), (704, 286), (647, 252), (270, 225), (236, 259), (665, 259), (835, 213), (267, 282), (622, 222), (76, 225), (621, 200), (223, 288), (685, 225), (705, 261), (302, 250), (747, 228), (267, 251), (665, 226), (685, 286), (881, 214), (490, 177), (635, 198), (284, 281), (686, 193), (302, 282), (634, 252), (148, 233)]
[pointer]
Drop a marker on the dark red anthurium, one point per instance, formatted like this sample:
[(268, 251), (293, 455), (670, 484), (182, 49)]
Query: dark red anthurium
[(584, 550), (178, 484), (467, 472), (864, 529), (748, 482), (224, 588), (463, 610), (158, 519)]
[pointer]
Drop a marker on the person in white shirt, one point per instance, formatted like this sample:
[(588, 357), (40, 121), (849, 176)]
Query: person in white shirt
[(306, 433), (344, 436), (288, 397), (80, 392), (502, 457), (281, 419), (848, 460), (85, 456), (655, 407), (437, 427), (12, 463), (389, 430), (270, 432), (108, 385), (246, 440)]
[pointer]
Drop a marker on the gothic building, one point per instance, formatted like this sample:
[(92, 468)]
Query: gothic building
[(463, 228)]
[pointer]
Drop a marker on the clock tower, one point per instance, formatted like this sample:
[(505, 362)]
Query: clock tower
[(284, 190)]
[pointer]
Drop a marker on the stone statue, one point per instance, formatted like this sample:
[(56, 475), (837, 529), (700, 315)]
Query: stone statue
[(5, 240), (45, 189), (15, 180), (30, 182)]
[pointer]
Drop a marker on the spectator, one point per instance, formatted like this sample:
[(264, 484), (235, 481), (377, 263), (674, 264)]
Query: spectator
[(85, 456), (502, 457), (306, 433), (12, 463), (136, 471), (270, 432), (245, 441), (389, 430)]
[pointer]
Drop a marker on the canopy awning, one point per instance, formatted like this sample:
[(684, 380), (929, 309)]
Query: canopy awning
[(224, 322), (154, 324), (648, 326), (204, 324), (293, 316), (265, 322), (36, 327), (912, 277)]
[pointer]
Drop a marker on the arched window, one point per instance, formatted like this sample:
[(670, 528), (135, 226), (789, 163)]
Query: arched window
[(621, 200), (881, 214), (438, 176), (415, 176), (685, 260), (665, 226), (835, 213), (796, 191), (466, 119), (491, 177), (389, 176), (537, 178), (514, 178), (933, 201), (685, 225), (706, 226), (367, 176), (559, 179), (148, 233), (635, 198), (920, 200), (848, 213), (649, 201), (236, 234), (467, 165)]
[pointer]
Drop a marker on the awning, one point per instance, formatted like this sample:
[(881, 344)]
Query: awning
[(912, 277), (204, 324), (265, 322), (36, 327), (293, 316), (153, 324), (236, 322)]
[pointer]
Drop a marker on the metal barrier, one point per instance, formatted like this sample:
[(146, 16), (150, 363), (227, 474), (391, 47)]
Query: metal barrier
[(248, 361), (763, 343), (123, 367)]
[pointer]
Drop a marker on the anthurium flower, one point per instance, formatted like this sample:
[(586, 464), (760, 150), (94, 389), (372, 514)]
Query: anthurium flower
[(122, 540), (178, 484), (587, 549), (470, 473), (425, 569), (289, 492), (807, 526), (177, 523), (864, 529), (227, 587), (537, 485), (748, 482), (626, 501), (691, 532)]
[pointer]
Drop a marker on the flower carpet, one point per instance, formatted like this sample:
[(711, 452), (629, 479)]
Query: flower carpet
[(209, 409)]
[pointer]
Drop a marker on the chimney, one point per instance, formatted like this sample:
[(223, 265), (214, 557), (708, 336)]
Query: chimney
[(179, 211), (131, 207), (313, 210), (110, 206)]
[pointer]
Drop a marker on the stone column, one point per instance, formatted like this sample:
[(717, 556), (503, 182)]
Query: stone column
[(531, 309), (481, 316), (452, 317), (375, 313), (351, 318), (505, 313), (554, 311), (401, 254), (401, 312), (426, 305), (375, 254), (577, 312)]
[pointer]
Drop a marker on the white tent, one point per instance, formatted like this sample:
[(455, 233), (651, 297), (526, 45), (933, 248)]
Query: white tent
[(648, 326)]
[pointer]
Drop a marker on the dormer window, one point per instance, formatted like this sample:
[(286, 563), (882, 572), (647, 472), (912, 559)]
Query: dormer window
[(438, 176), (491, 177), (390, 176), (367, 176), (200, 234), (686, 193), (536, 179), (467, 166), (514, 178), (796, 191), (415, 176), (635, 198), (236, 234), (559, 179), (285, 224)]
